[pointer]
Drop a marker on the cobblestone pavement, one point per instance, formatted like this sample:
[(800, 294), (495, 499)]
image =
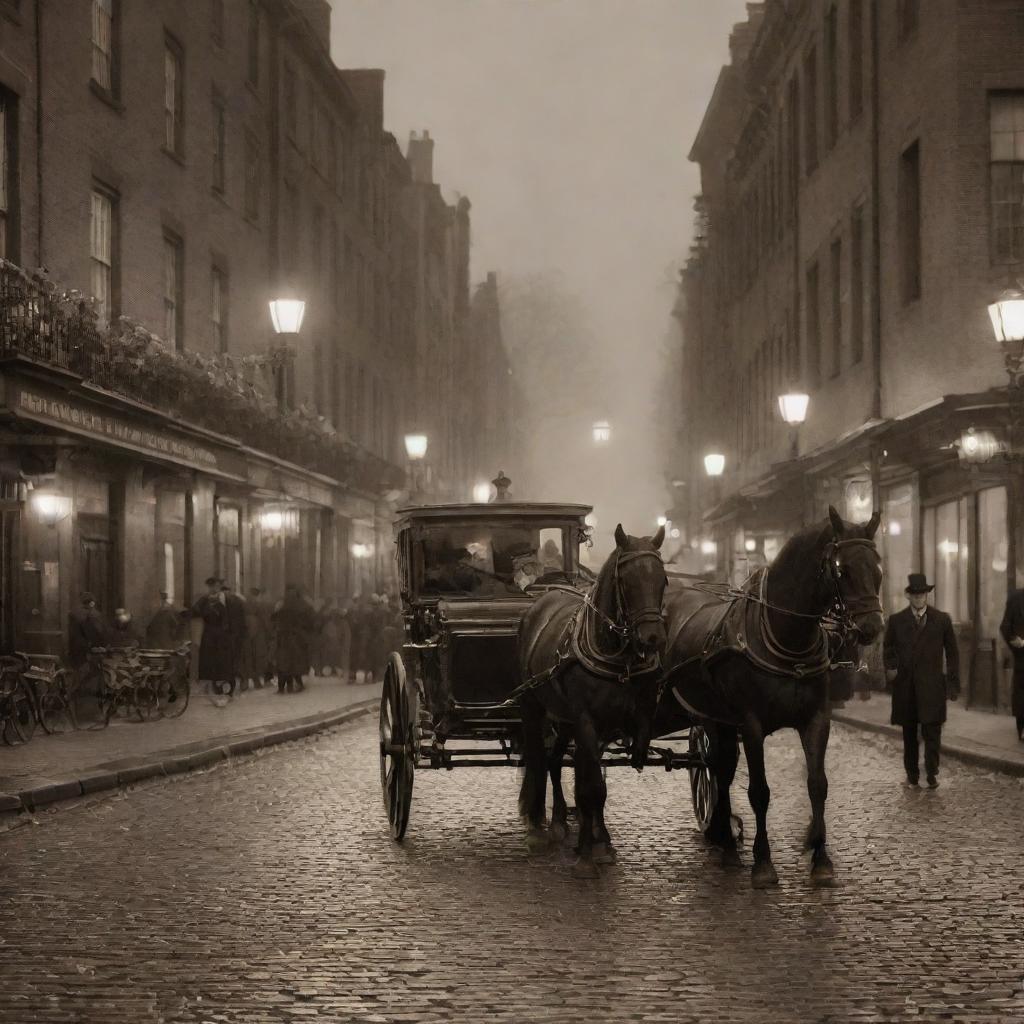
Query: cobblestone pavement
[(269, 890)]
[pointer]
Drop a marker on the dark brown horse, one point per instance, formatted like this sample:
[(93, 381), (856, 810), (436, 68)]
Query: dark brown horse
[(591, 662), (758, 661)]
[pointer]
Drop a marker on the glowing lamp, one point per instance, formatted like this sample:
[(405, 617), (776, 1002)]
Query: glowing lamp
[(287, 315), (1007, 316), (793, 407), (272, 521), (602, 432), (590, 520), (977, 445), (708, 547), (482, 492), (675, 533), (415, 445), (361, 550), (51, 508), (714, 464), (750, 545), (663, 520)]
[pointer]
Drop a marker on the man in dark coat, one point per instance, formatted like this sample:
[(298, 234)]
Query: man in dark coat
[(1012, 630), (85, 631), (916, 639), (235, 605), (165, 630), (216, 645)]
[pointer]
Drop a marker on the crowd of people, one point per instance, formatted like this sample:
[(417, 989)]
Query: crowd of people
[(255, 639)]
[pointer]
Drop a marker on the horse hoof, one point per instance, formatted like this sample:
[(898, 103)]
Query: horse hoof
[(736, 825), (823, 873), (604, 853), (585, 868), (559, 831), (731, 858), (536, 842), (764, 875)]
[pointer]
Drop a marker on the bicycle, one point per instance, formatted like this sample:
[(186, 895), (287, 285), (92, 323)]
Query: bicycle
[(18, 715), (53, 689), (127, 683), (170, 672)]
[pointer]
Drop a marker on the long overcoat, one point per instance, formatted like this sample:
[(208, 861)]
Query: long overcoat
[(257, 640), (922, 685), (217, 645), (1011, 626), (294, 624)]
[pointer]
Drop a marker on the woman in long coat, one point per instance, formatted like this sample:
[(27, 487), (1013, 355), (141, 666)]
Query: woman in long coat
[(294, 623)]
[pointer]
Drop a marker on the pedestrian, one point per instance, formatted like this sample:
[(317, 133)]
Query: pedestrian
[(335, 639), (235, 605), (315, 657), (294, 624), (166, 629), (217, 650), (257, 641), (916, 639), (122, 633), (359, 623), (1012, 630), (86, 630)]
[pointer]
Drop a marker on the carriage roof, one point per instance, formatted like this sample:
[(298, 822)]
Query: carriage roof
[(473, 512)]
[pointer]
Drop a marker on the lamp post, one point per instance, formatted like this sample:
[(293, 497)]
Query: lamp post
[(286, 315), (416, 450), (1007, 316), (793, 409), (714, 466)]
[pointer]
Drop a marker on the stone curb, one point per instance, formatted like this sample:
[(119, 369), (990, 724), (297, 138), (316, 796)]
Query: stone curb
[(98, 780), (978, 758)]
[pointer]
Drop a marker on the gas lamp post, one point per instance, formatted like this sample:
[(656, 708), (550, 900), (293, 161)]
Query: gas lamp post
[(793, 409), (286, 315), (416, 450)]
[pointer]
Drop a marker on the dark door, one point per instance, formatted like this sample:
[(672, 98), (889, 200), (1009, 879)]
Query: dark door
[(8, 530)]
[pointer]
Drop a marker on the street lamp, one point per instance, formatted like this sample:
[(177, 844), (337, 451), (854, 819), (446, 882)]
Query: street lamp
[(416, 450), (482, 492), (663, 520), (793, 409), (286, 316), (714, 464), (602, 431)]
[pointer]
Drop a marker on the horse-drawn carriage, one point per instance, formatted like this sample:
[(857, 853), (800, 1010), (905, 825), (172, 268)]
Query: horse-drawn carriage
[(468, 575)]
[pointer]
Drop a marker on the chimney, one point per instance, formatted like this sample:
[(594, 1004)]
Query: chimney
[(421, 158), (318, 14), (367, 85)]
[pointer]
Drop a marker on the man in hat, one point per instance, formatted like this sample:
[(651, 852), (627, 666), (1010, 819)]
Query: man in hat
[(916, 640), (217, 648)]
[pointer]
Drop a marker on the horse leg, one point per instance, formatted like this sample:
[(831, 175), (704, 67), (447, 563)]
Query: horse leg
[(589, 787), (727, 754), (814, 737), (559, 809), (763, 873), (532, 790)]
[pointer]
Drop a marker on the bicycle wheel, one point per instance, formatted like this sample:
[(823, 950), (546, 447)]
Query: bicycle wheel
[(146, 700), (20, 721), (174, 694), (56, 710)]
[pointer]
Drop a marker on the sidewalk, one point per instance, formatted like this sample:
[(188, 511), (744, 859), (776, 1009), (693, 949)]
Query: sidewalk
[(983, 738), (51, 768)]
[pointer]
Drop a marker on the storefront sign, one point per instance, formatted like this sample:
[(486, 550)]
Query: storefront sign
[(62, 412)]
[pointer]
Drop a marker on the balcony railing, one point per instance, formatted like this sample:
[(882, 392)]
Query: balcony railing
[(61, 330)]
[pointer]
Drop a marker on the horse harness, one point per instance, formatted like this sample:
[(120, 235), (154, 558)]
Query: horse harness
[(577, 643)]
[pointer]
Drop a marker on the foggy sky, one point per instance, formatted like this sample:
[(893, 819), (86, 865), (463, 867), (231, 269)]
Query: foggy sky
[(567, 124)]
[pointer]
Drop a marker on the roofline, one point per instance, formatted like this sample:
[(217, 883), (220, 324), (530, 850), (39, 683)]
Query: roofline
[(504, 509)]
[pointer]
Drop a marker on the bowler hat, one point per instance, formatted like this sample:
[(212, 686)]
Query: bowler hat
[(917, 583)]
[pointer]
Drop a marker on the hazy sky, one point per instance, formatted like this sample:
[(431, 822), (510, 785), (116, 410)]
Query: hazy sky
[(567, 123)]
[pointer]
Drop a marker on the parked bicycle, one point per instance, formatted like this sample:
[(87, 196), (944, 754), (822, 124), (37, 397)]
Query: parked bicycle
[(170, 672), (146, 684), (18, 717), (53, 690)]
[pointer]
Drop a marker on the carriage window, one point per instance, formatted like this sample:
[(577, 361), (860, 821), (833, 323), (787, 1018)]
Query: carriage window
[(551, 554)]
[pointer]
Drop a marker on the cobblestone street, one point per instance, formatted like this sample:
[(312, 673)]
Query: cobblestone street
[(269, 890)]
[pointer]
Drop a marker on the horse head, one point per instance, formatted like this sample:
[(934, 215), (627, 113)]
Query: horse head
[(640, 582), (853, 568)]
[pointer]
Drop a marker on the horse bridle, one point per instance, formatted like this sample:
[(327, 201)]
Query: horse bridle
[(842, 611), (632, 619)]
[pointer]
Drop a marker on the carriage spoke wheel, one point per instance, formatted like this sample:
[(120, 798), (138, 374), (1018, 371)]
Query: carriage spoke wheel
[(703, 784), (398, 714)]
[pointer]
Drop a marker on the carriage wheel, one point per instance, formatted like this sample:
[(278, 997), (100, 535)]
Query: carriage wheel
[(398, 714), (703, 784)]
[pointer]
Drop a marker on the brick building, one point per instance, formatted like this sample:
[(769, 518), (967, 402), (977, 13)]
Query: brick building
[(185, 163), (860, 207)]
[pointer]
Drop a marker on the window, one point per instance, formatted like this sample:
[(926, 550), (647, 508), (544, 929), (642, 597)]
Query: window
[(946, 552), (219, 308), (855, 36), (174, 252), (813, 327), (1006, 176), (835, 269), (103, 71), (831, 77), (291, 102), (252, 177), (218, 143), (253, 57), (899, 546), (174, 97), (906, 17), (8, 176), (810, 111), (991, 560), (857, 285), (217, 21), (101, 251), (910, 223)]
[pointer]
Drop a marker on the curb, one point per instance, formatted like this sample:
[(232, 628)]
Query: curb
[(171, 763), (977, 758)]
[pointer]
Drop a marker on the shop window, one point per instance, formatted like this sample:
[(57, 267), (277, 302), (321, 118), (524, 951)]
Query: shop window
[(992, 560), (898, 545), (946, 557), (229, 546), (172, 545)]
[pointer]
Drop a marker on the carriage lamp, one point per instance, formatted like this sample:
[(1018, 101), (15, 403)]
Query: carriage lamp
[(714, 464), (287, 314), (977, 446), (416, 446), (750, 545), (663, 520), (793, 407), (482, 492), (602, 432), (51, 508)]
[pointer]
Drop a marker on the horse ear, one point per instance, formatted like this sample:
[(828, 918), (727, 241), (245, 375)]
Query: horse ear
[(872, 525), (837, 523), (620, 536), (659, 538)]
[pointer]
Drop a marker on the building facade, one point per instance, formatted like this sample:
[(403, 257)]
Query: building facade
[(181, 165), (859, 210)]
